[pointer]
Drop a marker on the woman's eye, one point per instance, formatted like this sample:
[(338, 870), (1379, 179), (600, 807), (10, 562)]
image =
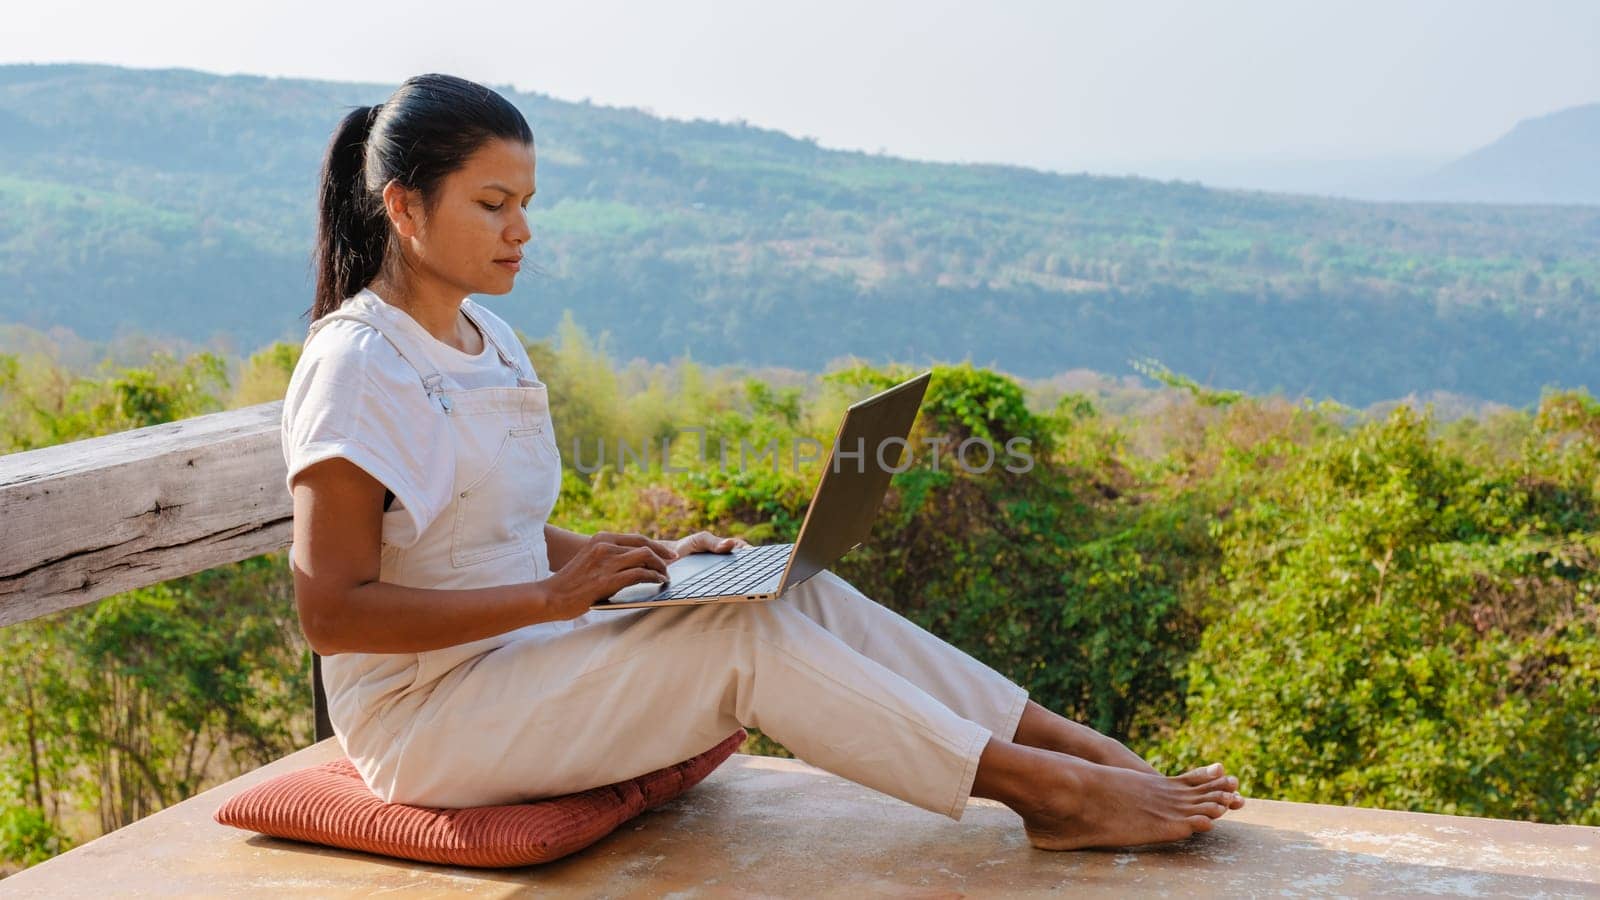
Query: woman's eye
[(495, 207)]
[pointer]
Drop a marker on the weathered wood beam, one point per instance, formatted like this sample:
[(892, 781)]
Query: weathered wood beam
[(91, 518)]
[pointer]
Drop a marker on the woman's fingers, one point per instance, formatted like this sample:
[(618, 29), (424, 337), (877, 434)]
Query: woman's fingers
[(671, 550), (700, 540), (662, 549), (642, 557), (637, 575), (705, 540)]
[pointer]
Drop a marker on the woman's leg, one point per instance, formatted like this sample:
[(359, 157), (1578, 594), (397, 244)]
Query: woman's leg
[(1051, 731), (970, 688), (974, 690), (631, 691), (1106, 804)]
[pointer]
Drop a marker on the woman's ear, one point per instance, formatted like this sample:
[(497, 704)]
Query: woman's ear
[(404, 207)]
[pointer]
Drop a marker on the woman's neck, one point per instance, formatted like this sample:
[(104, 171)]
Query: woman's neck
[(435, 307)]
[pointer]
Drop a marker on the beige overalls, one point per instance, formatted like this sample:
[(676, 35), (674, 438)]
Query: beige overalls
[(843, 682)]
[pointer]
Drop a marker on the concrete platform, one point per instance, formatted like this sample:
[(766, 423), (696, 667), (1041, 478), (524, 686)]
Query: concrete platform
[(762, 826)]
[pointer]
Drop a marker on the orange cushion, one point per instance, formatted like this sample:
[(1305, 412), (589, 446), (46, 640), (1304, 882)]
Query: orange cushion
[(330, 804)]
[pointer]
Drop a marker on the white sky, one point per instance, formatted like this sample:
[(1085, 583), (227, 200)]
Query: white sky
[(1061, 85)]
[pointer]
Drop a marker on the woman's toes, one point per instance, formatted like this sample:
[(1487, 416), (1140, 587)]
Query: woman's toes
[(1212, 810), (1238, 801), (1202, 775), (1199, 823)]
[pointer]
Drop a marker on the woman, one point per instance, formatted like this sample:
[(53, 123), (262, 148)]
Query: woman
[(462, 663)]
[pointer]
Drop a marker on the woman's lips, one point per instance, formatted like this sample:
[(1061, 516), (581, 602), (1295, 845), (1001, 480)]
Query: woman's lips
[(514, 265)]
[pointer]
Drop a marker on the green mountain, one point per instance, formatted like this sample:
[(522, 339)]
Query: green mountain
[(181, 203), (1549, 159)]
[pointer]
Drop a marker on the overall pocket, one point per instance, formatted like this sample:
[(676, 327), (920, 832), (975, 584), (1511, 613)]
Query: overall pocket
[(492, 511)]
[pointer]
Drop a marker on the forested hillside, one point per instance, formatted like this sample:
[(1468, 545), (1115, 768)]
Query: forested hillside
[(180, 203)]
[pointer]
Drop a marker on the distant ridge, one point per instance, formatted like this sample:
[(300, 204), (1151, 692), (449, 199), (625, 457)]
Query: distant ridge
[(1549, 159), (180, 204)]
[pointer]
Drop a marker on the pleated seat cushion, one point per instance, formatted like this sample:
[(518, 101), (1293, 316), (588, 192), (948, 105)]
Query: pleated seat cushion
[(330, 804)]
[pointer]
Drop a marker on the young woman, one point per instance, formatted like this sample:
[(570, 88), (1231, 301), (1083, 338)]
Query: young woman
[(462, 663)]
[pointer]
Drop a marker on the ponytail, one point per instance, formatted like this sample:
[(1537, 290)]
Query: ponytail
[(351, 227), (423, 132)]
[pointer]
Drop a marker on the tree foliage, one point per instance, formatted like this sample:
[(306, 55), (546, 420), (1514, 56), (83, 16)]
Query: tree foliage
[(1405, 630)]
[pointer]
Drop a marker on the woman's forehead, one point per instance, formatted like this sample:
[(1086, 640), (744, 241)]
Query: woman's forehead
[(505, 164)]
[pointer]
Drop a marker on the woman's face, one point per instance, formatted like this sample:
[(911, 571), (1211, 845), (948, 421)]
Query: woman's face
[(471, 235)]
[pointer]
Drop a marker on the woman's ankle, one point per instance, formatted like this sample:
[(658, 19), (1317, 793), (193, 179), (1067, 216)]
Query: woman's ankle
[(1041, 728), (1017, 775)]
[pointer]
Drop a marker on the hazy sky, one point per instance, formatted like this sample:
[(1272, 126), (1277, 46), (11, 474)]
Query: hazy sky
[(1060, 85)]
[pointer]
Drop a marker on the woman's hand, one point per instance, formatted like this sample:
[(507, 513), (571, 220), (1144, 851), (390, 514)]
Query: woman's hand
[(605, 564), (705, 541)]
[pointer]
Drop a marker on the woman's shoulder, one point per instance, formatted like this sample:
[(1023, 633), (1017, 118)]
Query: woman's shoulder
[(348, 369), (346, 348), (352, 395)]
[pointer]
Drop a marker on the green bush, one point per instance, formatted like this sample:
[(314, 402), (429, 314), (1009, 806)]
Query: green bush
[(1408, 631)]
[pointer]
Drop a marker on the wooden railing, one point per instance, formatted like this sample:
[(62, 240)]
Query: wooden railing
[(84, 520)]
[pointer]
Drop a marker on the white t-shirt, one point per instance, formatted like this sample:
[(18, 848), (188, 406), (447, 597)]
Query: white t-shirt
[(352, 395)]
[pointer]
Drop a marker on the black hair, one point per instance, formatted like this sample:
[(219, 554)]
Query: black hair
[(426, 129)]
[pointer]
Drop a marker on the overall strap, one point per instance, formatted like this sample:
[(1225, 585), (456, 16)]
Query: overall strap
[(432, 378), (488, 334)]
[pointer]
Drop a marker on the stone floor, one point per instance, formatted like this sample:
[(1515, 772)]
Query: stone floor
[(763, 826)]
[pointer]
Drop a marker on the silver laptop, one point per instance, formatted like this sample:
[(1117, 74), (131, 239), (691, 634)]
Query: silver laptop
[(837, 521)]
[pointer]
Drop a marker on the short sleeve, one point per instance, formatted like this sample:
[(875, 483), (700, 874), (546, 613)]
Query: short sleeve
[(353, 396)]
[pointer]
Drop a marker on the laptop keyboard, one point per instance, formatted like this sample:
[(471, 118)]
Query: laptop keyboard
[(748, 569)]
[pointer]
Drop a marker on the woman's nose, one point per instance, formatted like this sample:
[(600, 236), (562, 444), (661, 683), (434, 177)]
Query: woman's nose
[(520, 232)]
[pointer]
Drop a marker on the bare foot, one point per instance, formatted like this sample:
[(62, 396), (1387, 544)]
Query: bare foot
[(1084, 804), (1046, 730)]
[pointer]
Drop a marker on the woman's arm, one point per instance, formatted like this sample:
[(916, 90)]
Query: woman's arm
[(345, 608), (562, 545)]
